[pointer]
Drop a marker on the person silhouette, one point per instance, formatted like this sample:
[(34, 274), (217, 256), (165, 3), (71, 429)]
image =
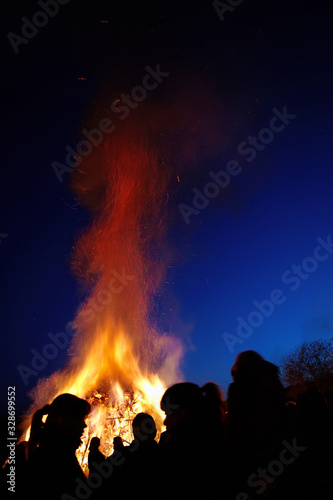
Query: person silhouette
[(256, 405), (118, 444), (144, 432), (54, 468), (256, 420), (193, 444), (314, 432), (141, 466), (95, 456)]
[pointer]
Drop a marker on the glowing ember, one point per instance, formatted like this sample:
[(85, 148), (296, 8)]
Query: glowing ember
[(119, 362)]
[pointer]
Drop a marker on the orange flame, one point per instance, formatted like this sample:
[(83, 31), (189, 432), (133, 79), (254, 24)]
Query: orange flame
[(117, 349)]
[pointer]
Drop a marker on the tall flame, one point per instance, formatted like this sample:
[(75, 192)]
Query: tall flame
[(118, 358)]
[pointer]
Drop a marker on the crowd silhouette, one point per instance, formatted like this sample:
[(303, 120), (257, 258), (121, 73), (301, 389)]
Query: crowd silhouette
[(256, 444)]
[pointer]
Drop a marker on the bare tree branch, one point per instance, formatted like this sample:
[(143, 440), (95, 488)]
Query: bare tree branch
[(310, 362)]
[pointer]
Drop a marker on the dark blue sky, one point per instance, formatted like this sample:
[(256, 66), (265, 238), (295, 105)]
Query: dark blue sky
[(240, 248)]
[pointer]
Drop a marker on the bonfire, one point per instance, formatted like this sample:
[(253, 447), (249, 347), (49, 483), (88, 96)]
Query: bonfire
[(119, 360)]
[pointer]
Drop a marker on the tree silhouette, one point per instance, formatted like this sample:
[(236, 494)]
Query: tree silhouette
[(310, 362)]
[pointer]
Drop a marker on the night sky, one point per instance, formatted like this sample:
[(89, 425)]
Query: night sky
[(257, 81)]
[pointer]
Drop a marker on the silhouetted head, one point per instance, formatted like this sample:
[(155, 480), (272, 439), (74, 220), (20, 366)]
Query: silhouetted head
[(66, 417), (244, 360), (187, 402), (144, 428), (118, 443), (94, 444), (182, 396)]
